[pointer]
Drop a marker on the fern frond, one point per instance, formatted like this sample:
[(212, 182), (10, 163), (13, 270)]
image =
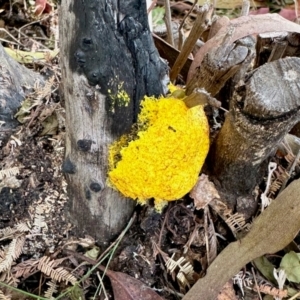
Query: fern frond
[(7, 233), (280, 176), (25, 268), (4, 297), (10, 233), (22, 227), (13, 251), (185, 270), (8, 278), (236, 222), (59, 274), (9, 172), (42, 92), (51, 289), (39, 221)]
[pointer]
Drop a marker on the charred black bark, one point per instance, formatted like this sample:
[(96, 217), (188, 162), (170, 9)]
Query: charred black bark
[(109, 63), (114, 49)]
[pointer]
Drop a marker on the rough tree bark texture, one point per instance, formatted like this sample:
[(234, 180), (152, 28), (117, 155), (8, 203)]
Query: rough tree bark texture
[(15, 83), (109, 63), (263, 109)]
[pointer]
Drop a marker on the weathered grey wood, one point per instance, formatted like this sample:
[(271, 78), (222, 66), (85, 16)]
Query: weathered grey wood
[(15, 82), (262, 111), (219, 66), (203, 20), (109, 63), (274, 45), (266, 42)]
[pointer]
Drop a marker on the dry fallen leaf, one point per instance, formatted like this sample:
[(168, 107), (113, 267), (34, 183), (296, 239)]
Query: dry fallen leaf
[(42, 7), (227, 292), (203, 192), (126, 287)]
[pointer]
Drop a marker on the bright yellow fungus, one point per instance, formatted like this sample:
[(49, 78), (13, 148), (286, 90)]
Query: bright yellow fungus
[(163, 156)]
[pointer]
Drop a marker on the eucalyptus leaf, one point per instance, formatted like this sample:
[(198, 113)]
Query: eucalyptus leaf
[(265, 267), (291, 265)]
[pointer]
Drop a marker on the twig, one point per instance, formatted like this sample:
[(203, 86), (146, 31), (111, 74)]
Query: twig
[(245, 8), (34, 40), (162, 228), (9, 34), (180, 40), (296, 8), (152, 5), (295, 296), (7, 130), (206, 234), (102, 285), (168, 20), (201, 23), (256, 285), (31, 23), (201, 97)]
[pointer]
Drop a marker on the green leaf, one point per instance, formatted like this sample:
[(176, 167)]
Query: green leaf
[(265, 267), (24, 110), (158, 16), (291, 265), (50, 125)]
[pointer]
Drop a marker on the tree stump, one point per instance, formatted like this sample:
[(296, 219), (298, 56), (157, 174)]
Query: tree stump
[(263, 109), (109, 63), (15, 83)]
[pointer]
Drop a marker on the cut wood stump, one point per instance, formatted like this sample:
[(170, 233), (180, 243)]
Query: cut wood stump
[(264, 108)]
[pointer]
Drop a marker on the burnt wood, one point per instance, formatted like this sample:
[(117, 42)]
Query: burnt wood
[(109, 62)]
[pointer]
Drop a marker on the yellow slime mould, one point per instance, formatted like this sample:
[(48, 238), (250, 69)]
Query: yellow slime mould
[(163, 156)]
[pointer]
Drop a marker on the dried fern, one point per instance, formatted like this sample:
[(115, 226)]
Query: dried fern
[(4, 297), (12, 252), (10, 233), (51, 289), (41, 92), (60, 274), (279, 177), (39, 222), (185, 272), (236, 222), (25, 268), (9, 172), (22, 227), (7, 233)]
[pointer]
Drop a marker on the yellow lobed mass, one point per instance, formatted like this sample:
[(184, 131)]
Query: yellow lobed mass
[(164, 159)]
